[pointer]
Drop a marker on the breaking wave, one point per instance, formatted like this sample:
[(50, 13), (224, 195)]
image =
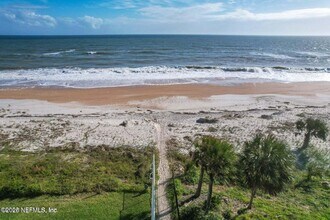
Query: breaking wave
[(91, 52), (59, 52), (314, 54), (109, 77), (271, 55)]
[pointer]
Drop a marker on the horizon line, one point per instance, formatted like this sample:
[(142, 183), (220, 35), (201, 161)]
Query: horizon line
[(132, 34)]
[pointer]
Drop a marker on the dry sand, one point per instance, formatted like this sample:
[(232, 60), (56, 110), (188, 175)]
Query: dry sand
[(38, 113)]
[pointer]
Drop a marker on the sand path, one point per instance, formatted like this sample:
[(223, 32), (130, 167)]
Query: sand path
[(164, 209)]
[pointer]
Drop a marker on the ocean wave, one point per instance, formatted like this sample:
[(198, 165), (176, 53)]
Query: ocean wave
[(92, 52), (314, 54), (59, 52), (107, 77), (272, 55)]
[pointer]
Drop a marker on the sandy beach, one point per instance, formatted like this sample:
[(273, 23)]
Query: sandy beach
[(165, 116), (72, 113)]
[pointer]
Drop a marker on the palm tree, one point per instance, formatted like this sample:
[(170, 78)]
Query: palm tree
[(218, 160), (266, 164), (314, 128), (199, 159)]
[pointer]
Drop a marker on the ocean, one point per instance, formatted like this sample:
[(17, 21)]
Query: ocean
[(121, 60)]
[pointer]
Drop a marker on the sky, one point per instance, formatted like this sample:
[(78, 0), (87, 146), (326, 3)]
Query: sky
[(237, 17)]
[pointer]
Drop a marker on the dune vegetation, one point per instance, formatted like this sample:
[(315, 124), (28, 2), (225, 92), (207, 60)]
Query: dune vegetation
[(266, 179), (110, 183)]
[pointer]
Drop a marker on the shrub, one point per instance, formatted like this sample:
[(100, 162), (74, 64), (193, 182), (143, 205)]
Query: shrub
[(191, 174), (227, 214), (318, 162), (193, 213), (207, 120)]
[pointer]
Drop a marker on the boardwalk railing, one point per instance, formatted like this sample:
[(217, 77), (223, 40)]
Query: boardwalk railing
[(153, 189)]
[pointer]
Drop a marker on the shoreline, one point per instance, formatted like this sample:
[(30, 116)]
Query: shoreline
[(126, 94)]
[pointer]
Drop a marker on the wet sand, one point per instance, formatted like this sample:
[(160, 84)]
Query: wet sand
[(124, 95)]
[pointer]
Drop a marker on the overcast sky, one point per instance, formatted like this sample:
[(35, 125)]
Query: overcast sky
[(244, 17)]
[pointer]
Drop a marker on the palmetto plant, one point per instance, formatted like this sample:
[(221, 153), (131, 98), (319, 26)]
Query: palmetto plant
[(266, 163), (218, 159), (318, 162), (200, 159), (314, 128)]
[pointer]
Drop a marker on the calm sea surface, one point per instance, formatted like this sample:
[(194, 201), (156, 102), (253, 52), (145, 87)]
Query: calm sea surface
[(97, 61)]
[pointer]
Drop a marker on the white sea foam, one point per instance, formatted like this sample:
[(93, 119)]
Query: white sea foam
[(314, 54), (272, 55), (52, 54), (96, 77), (59, 52), (91, 52)]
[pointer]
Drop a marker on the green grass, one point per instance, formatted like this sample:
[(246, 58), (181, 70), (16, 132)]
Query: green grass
[(92, 184), (62, 172), (83, 206), (295, 203), (301, 200)]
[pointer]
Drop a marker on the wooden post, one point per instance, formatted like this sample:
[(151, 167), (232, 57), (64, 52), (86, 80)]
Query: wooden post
[(176, 196)]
